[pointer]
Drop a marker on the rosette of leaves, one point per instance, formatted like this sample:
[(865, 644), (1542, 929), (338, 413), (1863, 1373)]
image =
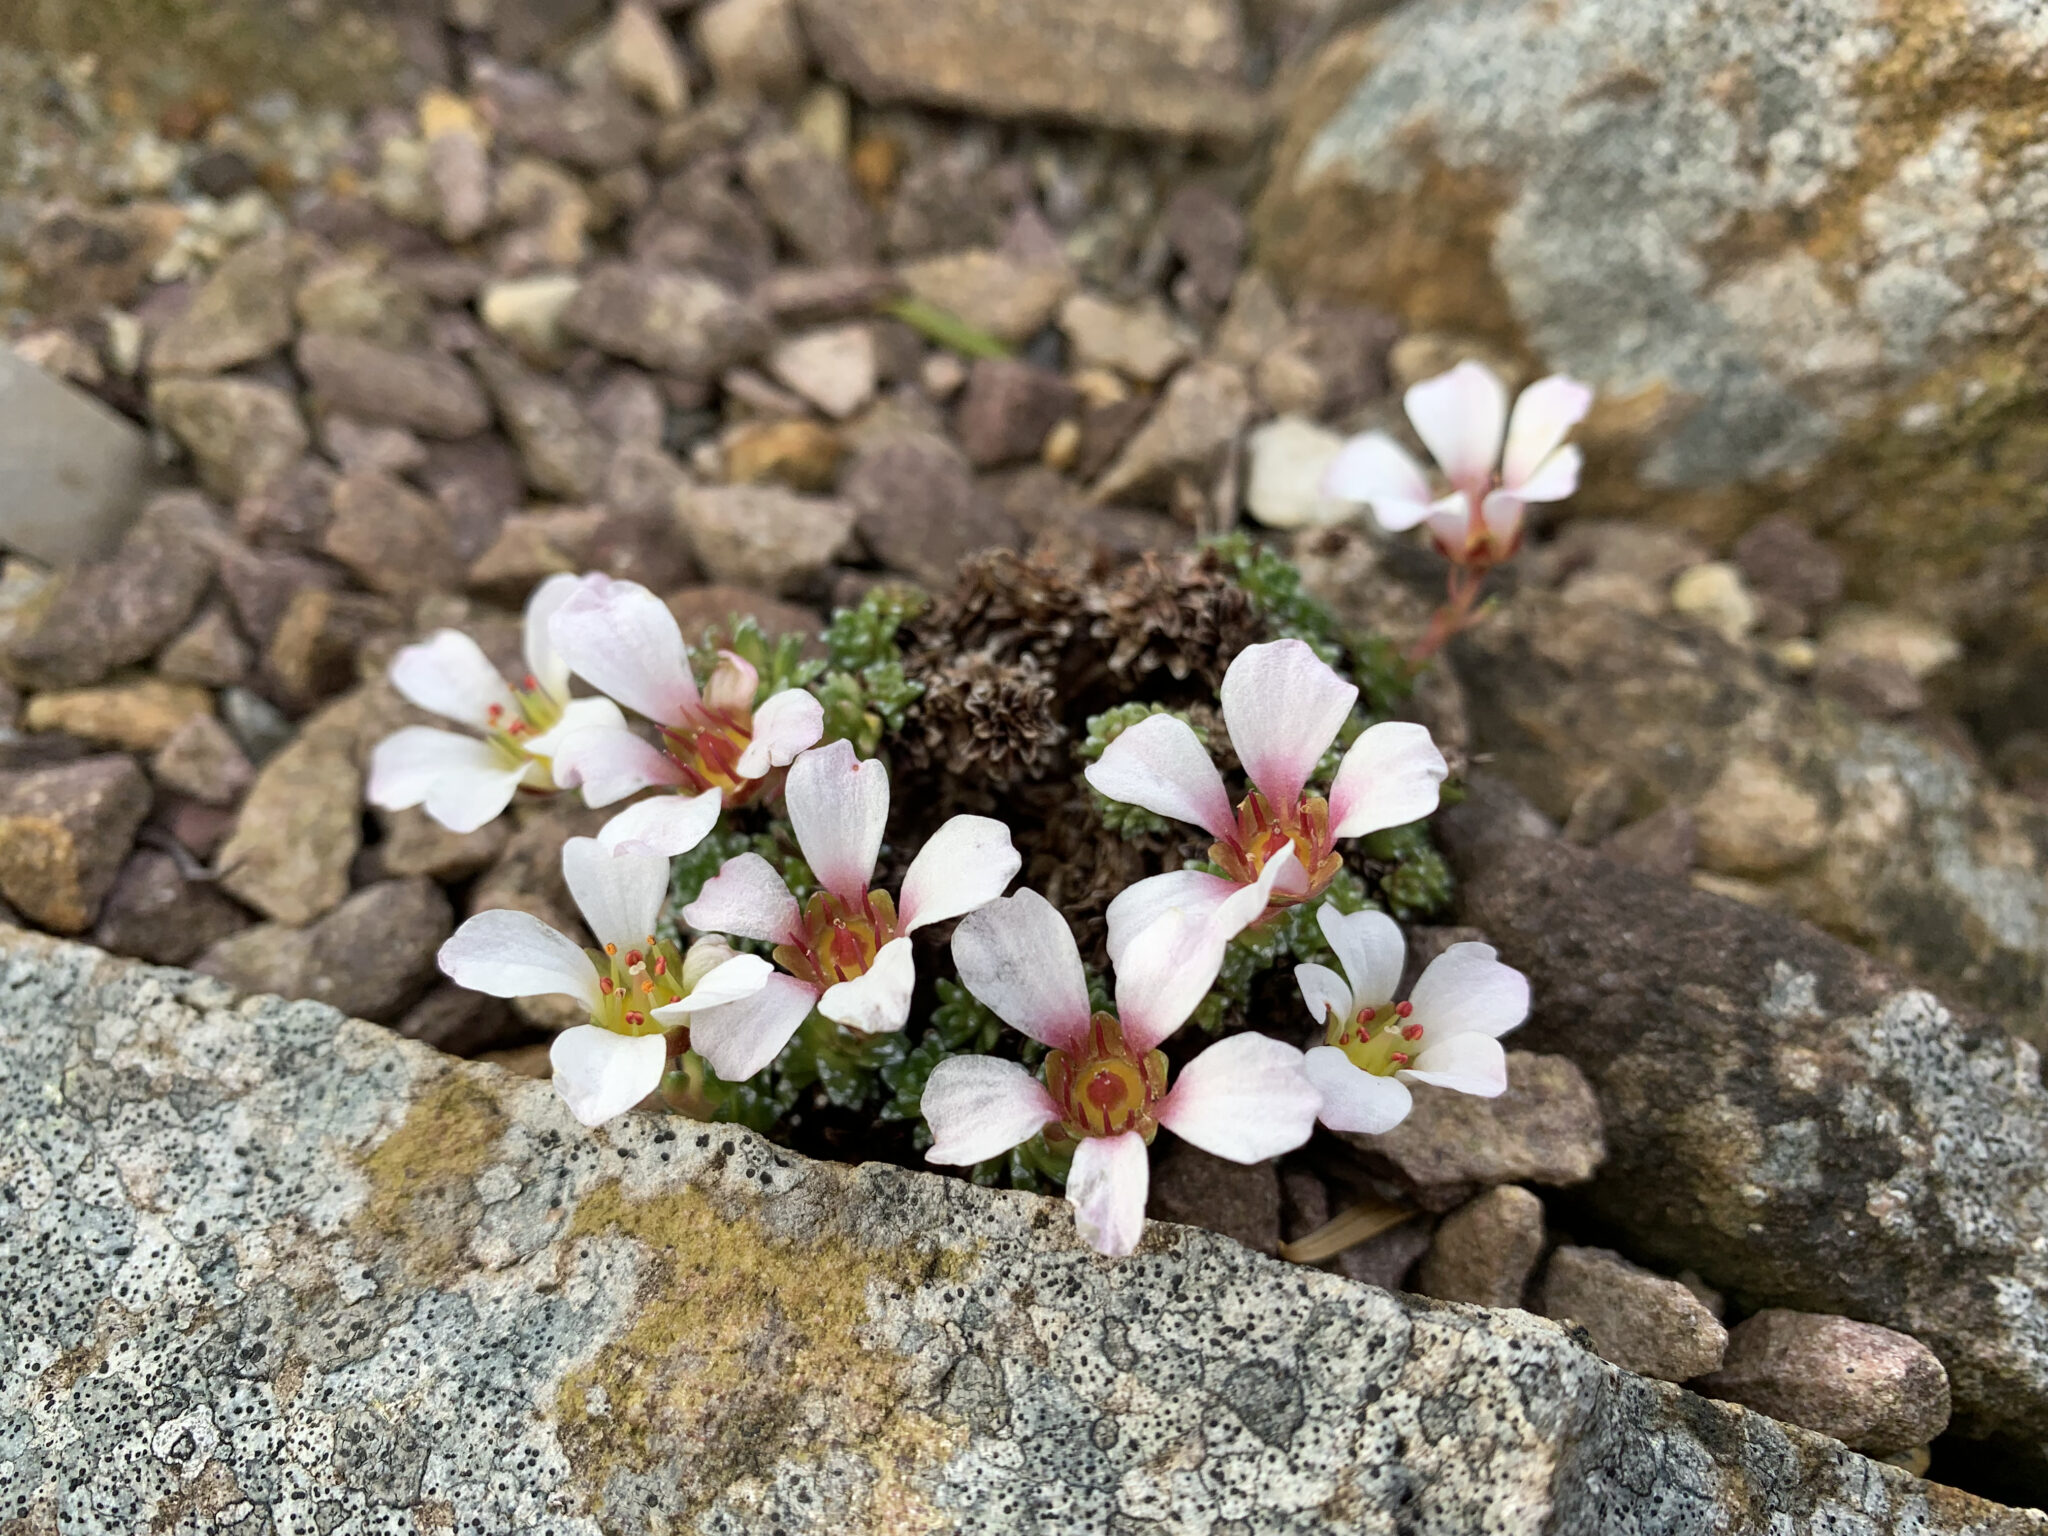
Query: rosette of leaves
[(865, 690)]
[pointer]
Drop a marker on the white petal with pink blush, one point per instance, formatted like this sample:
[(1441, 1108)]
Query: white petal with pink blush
[(600, 1074), (622, 640), (663, 826), (739, 1039), (1392, 775), (838, 806), (503, 953), (1461, 417), (980, 1107), (1160, 765), (1245, 1098), (963, 865), (1373, 468), (448, 674), (608, 763), (543, 661), (1137, 907), (876, 1002), (746, 899), (787, 723), (1546, 411), (1018, 957), (1283, 705), (1107, 1185)]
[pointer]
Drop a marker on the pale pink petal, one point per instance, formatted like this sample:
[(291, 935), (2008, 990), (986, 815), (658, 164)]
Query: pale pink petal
[(739, 1039), (979, 1107), (876, 1002), (609, 763), (1467, 988), (1502, 516), (1167, 969), (1161, 765), (730, 688), (503, 953), (1018, 957), (838, 807), (964, 864), (741, 976), (1473, 1064), (663, 826), (449, 674), (1353, 1098), (405, 765), (1389, 778), (1324, 992), (1283, 705), (1450, 521), (577, 715), (746, 899), (1107, 1186), (619, 894), (1136, 907), (543, 661), (463, 802), (1373, 468), (787, 723), (1461, 417), (622, 640), (600, 1073), (1370, 948), (1245, 1098), (1546, 411), (1555, 478)]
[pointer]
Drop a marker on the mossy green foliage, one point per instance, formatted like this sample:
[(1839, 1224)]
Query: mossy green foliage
[(780, 662), (864, 691)]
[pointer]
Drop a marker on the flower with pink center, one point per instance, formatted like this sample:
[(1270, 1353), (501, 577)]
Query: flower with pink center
[(1446, 1033), (622, 640), (846, 951), (1283, 706), (466, 781), (642, 995), (1102, 1093), (1496, 463)]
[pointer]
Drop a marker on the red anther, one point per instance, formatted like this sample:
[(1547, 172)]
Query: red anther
[(634, 958), (516, 728), (1367, 1015), (494, 711), (1398, 1058), (637, 1019), (606, 985), (530, 683), (1404, 1009), (1412, 1032), (661, 965)]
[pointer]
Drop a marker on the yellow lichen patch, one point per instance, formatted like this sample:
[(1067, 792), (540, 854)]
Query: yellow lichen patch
[(422, 1175), (746, 1350)]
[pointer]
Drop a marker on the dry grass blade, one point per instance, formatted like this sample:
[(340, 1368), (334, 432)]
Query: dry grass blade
[(1367, 1219)]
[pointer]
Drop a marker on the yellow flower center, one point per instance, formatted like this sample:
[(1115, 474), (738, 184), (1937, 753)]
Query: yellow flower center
[(838, 940), (1262, 831), (1102, 1087), (535, 712), (1378, 1040), (633, 983)]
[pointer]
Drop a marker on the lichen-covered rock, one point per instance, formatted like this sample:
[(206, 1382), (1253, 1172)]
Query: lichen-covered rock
[(1829, 300), (1791, 1119), (262, 1259)]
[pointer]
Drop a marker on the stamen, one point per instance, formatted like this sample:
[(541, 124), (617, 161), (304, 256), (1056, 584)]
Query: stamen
[(1412, 1032), (1398, 1058), (606, 985), (647, 987), (661, 965), (494, 711), (1404, 1009), (611, 949), (634, 959), (637, 1019), (530, 683)]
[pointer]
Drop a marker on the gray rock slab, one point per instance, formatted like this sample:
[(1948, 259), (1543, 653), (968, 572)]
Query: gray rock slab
[(72, 471), (267, 1268)]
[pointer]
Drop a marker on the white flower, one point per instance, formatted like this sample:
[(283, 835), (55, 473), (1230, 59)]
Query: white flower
[(1104, 1094), (637, 988), (846, 952), (1446, 1033), (1283, 706), (621, 639), (1462, 417), (464, 781)]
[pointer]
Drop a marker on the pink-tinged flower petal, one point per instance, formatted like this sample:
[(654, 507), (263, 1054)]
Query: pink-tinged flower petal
[(543, 661), (503, 953), (876, 1002), (732, 684), (577, 715), (1389, 778), (1555, 478), (787, 723), (739, 1039), (463, 802), (746, 899), (619, 894), (979, 1107), (622, 640), (1167, 969), (1461, 417), (1473, 1064), (1546, 411), (1107, 1186), (1373, 468), (663, 826), (740, 977), (1018, 957), (1467, 988), (1370, 948), (600, 1073), (1502, 516), (406, 764), (963, 865), (1353, 1098), (1324, 992), (1161, 765), (609, 763), (1283, 705), (449, 674), (1136, 907), (1245, 1098), (1450, 521), (838, 807)]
